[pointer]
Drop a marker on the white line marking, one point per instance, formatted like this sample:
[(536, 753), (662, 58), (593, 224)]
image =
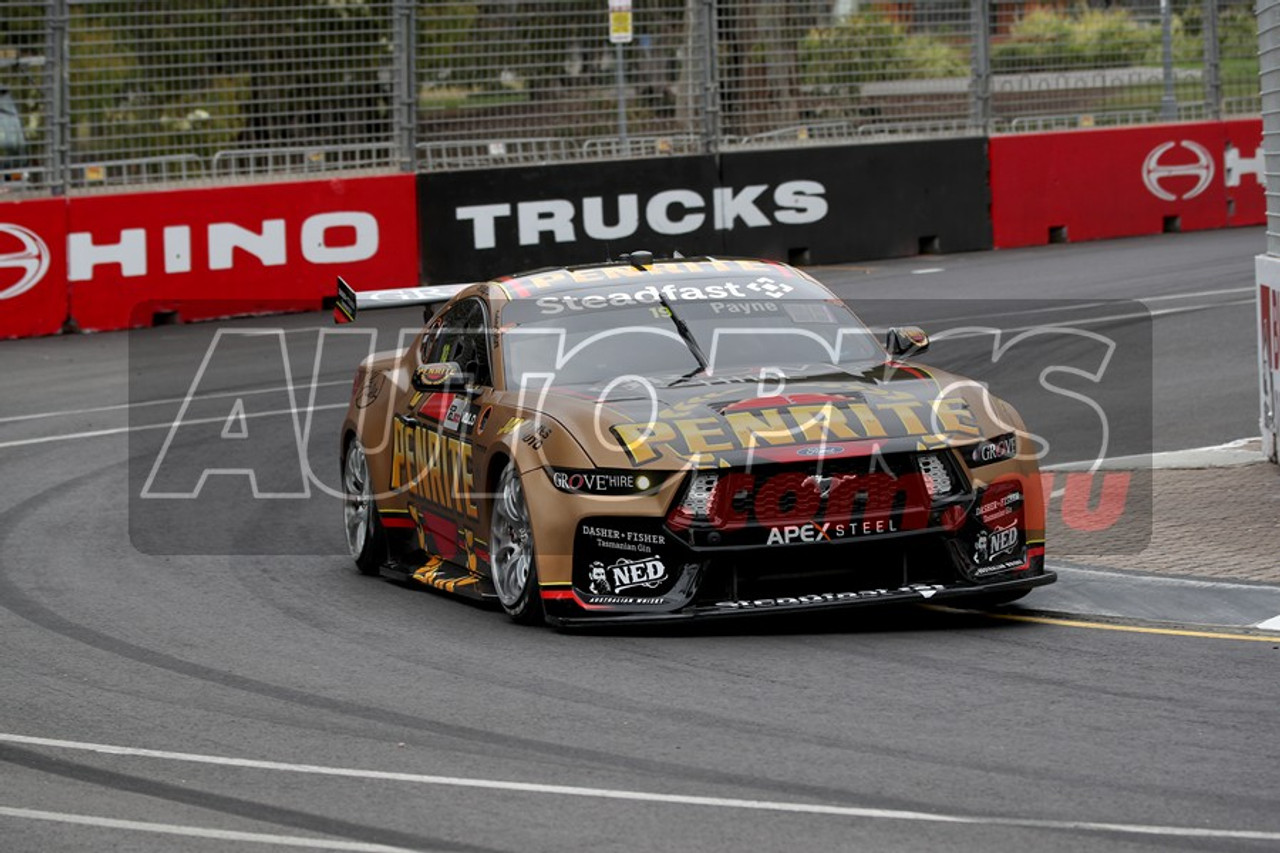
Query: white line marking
[(165, 402), (1272, 624), (1135, 315), (1160, 459), (1081, 306), (198, 832), (1083, 321), (648, 797), (220, 394), (1197, 294), (1167, 580), (927, 271), (44, 439)]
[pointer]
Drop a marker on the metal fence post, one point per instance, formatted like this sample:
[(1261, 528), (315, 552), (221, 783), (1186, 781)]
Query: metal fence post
[(1212, 61), (1169, 100), (57, 101), (404, 82), (980, 82), (711, 78)]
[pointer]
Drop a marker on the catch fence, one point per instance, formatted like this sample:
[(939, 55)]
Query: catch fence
[(109, 94)]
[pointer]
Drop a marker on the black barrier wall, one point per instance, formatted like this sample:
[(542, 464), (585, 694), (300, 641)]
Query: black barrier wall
[(480, 224), (882, 201), (816, 205)]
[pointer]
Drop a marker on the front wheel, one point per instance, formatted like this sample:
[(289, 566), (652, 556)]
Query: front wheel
[(366, 540), (511, 558)]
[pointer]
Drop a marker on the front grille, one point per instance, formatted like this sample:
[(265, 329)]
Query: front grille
[(809, 570), (864, 495)]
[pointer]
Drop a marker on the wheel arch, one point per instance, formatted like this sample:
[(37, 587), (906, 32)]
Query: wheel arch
[(499, 458)]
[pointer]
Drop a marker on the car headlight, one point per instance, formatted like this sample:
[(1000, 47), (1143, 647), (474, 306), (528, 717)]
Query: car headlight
[(605, 481)]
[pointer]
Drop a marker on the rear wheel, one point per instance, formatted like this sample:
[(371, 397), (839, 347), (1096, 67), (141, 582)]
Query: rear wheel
[(366, 540), (511, 558)]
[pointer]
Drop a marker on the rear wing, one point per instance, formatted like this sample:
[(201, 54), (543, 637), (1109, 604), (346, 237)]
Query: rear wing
[(351, 302)]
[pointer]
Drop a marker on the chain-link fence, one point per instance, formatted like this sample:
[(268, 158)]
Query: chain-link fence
[(102, 93), (1130, 63)]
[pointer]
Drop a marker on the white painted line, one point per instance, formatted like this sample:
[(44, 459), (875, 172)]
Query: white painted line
[(165, 402), (1272, 624), (988, 331), (199, 832), (927, 271), (1167, 580), (45, 439), (1197, 294), (649, 797), (221, 394), (1134, 315), (1081, 306), (1230, 454)]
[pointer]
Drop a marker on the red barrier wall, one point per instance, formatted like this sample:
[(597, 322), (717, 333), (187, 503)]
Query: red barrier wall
[(1124, 182), (229, 250), (1243, 171), (33, 280)]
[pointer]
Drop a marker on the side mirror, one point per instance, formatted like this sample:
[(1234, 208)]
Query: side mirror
[(440, 376), (906, 340)]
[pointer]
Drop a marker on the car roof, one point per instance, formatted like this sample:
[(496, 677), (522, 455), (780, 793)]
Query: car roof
[(676, 271)]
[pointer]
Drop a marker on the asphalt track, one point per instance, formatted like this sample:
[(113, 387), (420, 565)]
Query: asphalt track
[(246, 690)]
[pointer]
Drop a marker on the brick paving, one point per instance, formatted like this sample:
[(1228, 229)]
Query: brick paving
[(1210, 523)]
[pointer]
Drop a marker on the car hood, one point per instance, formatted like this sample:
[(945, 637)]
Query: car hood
[(735, 419)]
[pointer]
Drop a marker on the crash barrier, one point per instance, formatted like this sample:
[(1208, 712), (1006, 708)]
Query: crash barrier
[(90, 262), (1124, 182), (813, 206), (33, 272), (1268, 275)]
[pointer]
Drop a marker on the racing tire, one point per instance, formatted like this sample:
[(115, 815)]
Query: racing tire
[(512, 563), (366, 538)]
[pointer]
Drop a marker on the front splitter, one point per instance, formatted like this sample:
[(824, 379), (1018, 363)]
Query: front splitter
[(913, 594)]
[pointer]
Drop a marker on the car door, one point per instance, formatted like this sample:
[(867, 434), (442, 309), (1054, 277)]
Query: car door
[(445, 506)]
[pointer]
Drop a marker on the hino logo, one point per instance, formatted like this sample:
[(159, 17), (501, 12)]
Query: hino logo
[(336, 237), (31, 259), (1235, 167), (669, 212), (1155, 170)]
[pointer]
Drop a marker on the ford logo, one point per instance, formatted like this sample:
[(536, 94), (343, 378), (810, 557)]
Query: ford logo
[(820, 450)]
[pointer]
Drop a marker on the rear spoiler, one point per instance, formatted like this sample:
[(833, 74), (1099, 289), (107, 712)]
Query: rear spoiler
[(351, 302)]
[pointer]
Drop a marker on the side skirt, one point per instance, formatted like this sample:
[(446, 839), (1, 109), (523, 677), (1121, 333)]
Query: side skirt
[(437, 573)]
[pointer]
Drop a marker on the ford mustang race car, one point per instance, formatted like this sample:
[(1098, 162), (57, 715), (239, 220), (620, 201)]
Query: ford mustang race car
[(648, 440)]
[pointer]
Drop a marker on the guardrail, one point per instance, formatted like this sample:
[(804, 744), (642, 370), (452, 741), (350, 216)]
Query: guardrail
[(140, 170), (479, 153), (240, 162), (1067, 122), (613, 147)]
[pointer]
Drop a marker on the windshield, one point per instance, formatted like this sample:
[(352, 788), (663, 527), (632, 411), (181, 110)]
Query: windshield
[(587, 338)]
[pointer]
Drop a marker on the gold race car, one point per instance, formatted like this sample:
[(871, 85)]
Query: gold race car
[(689, 438)]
